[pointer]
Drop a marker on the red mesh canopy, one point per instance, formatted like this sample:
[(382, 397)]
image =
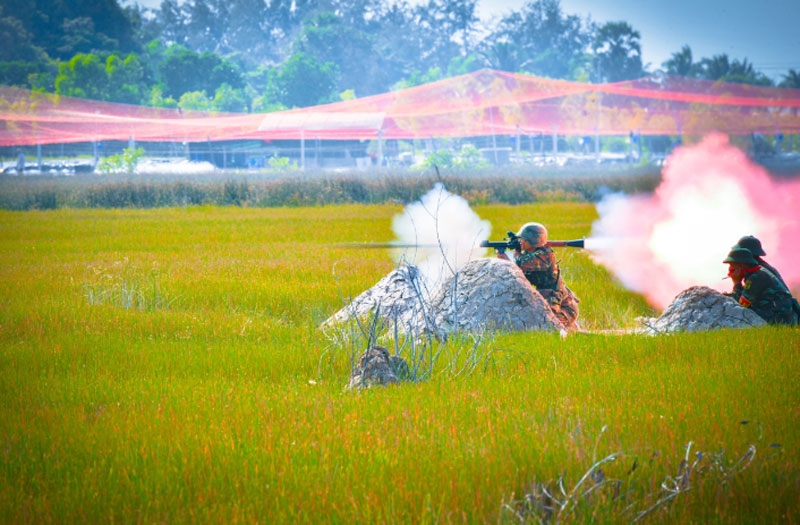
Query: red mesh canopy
[(479, 104)]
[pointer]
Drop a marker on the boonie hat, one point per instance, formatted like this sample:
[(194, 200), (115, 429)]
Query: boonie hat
[(752, 244), (741, 255)]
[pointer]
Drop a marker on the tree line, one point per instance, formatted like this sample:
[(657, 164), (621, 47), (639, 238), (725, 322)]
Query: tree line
[(265, 55)]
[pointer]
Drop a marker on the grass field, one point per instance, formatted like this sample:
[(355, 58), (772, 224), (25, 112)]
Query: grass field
[(166, 365)]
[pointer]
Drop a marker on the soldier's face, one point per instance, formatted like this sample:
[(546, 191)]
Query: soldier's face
[(736, 271)]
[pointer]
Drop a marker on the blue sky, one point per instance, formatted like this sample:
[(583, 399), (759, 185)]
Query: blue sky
[(765, 32)]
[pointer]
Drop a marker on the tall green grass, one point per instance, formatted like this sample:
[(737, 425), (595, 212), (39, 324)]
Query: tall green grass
[(207, 401)]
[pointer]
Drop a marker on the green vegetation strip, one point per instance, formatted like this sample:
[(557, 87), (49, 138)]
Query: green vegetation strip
[(516, 185), (166, 365)]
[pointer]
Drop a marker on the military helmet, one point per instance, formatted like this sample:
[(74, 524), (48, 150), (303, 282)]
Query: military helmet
[(534, 233), (752, 244), (741, 255)]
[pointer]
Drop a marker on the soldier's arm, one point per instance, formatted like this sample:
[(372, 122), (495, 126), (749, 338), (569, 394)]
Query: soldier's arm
[(737, 290), (757, 286)]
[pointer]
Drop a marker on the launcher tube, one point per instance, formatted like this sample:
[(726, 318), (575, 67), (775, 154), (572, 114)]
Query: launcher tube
[(576, 243)]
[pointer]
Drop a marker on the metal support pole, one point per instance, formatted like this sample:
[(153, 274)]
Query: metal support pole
[(302, 149), (380, 147), (639, 142), (555, 141), (597, 142)]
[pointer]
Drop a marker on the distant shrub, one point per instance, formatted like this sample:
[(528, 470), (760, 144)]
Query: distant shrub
[(281, 163), (467, 158), (124, 162)]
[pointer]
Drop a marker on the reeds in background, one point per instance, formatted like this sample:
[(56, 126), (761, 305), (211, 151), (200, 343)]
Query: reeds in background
[(254, 189)]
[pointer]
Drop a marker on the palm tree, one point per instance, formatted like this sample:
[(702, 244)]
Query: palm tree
[(681, 63), (791, 80), (720, 67)]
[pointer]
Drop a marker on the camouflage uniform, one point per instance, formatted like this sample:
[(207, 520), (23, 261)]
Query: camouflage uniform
[(752, 244), (766, 295), (541, 269)]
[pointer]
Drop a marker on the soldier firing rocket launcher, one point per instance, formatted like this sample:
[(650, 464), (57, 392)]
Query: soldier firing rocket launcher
[(532, 232), (511, 242)]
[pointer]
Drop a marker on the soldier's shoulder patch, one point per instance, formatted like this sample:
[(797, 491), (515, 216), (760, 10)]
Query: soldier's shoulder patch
[(744, 301), (747, 285)]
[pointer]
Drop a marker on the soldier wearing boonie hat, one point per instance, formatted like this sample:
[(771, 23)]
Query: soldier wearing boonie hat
[(758, 289), (538, 262), (754, 245)]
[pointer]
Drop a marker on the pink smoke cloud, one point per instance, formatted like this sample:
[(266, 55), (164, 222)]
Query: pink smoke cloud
[(711, 194)]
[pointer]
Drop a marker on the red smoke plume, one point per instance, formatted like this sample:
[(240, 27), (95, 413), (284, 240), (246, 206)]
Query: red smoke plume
[(711, 195)]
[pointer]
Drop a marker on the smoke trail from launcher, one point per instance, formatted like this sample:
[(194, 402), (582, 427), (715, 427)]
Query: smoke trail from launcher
[(440, 233), (444, 232), (710, 195)]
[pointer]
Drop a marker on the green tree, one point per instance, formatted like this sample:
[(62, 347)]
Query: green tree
[(502, 56), (64, 28), (172, 22), (716, 67), (113, 79), (248, 31), (205, 24), (230, 100), (441, 30), (156, 98), (83, 76), (145, 29), (617, 53), (721, 67), (20, 59), (183, 70), (304, 81), (330, 39), (195, 101), (743, 72), (79, 35), (417, 78), (681, 63), (16, 42), (790, 80), (125, 79), (539, 39), (396, 46)]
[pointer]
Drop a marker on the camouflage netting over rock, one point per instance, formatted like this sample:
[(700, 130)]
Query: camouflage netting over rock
[(486, 294), (699, 309)]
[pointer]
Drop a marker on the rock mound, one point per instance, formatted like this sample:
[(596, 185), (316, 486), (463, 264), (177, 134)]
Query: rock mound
[(376, 367), (699, 309), (401, 296), (485, 294)]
